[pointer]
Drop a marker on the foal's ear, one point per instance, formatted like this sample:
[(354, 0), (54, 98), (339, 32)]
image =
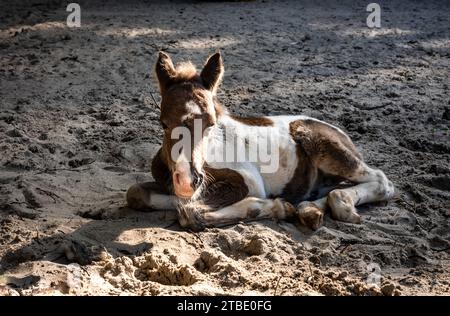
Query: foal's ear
[(165, 71), (212, 72)]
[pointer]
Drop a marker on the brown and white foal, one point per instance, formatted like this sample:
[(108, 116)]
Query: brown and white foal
[(314, 158)]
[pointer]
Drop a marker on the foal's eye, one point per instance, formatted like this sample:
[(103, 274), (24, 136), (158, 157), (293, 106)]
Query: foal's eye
[(164, 126)]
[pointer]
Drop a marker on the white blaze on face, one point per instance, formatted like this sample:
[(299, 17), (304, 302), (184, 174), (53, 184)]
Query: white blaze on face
[(192, 108), (200, 142), (197, 149), (182, 177), (180, 154), (194, 151)]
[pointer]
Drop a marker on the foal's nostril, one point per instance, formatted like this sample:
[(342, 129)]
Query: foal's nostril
[(176, 177)]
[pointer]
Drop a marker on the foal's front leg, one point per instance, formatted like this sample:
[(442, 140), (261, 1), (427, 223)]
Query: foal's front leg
[(150, 196), (226, 201), (198, 216), (250, 208)]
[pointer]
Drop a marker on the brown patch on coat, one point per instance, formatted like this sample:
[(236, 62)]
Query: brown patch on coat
[(161, 173), (304, 179), (225, 187), (253, 121), (329, 149), (324, 154)]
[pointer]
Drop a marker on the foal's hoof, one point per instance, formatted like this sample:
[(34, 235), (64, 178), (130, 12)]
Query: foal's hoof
[(310, 215), (342, 207), (138, 198), (282, 209), (289, 209)]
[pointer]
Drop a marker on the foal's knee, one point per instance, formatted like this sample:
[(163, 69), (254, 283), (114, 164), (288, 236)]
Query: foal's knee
[(137, 197)]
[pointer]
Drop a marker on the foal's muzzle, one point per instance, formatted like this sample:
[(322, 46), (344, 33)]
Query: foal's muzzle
[(186, 180)]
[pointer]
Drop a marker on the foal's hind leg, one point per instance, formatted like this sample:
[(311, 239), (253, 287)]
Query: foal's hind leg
[(332, 152), (149, 196), (373, 186), (311, 214)]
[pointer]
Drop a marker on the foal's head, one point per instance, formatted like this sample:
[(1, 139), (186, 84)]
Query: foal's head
[(187, 105)]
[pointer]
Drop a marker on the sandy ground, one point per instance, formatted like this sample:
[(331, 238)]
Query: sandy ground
[(78, 127)]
